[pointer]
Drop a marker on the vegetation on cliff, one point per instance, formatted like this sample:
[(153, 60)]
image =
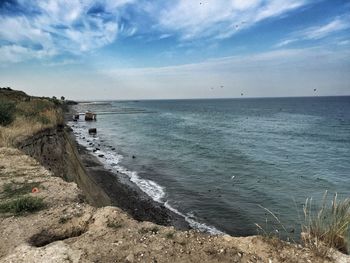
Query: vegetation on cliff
[(329, 227), (6, 112), (22, 116)]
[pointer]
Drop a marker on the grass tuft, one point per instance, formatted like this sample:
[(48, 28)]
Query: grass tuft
[(329, 227), (266, 233), (170, 235), (25, 204), (153, 230), (15, 189)]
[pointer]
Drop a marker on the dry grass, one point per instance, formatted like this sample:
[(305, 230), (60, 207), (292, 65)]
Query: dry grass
[(272, 230), (20, 129), (329, 227), (31, 117)]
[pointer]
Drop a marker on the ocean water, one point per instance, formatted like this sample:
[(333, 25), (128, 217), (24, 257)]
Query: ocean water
[(219, 163)]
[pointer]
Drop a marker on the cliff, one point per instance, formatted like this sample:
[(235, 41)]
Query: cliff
[(53, 149)]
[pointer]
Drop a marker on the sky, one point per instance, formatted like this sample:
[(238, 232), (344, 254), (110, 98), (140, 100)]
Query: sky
[(153, 49)]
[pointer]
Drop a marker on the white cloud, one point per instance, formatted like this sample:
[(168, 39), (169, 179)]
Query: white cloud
[(288, 72), (317, 32), (15, 53), (285, 42), (344, 42), (275, 8), (59, 26), (322, 31), (193, 19), (242, 63), (19, 29)]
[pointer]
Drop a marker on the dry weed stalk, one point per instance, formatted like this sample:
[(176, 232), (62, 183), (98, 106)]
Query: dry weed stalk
[(329, 228)]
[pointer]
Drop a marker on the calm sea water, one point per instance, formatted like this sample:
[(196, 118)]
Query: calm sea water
[(217, 161)]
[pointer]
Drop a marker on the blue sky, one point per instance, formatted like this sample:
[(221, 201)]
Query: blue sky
[(129, 49)]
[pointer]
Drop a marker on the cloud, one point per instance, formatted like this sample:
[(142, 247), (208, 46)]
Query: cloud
[(277, 59), (286, 72), (59, 26), (193, 19), (15, 53), (344, 42), (318, 32)]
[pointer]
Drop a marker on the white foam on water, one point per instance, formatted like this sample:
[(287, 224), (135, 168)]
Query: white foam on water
[(193, 223), (111, 160), (151, 188)]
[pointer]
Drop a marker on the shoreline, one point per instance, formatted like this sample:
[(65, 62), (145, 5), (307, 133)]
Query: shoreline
[(124, 193)]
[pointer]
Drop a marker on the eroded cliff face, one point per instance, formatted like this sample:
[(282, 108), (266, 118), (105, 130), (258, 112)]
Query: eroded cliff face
[(49, 148), (56, 151)]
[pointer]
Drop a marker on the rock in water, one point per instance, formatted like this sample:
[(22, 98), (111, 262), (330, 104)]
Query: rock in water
[(92, 131), (90, 116)]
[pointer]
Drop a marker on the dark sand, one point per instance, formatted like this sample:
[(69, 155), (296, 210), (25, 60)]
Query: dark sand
[(126, 195)]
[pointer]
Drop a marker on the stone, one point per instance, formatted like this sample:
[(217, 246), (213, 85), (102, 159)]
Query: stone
[(130, 258), (92, 131), (90, 116)]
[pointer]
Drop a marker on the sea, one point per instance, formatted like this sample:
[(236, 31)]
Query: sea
[(228, 166)]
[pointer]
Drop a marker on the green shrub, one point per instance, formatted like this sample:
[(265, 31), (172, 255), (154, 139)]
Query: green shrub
[(7, 110), (21, 205)]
